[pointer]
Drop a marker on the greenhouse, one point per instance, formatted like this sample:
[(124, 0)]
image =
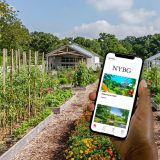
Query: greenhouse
[(152, 61)]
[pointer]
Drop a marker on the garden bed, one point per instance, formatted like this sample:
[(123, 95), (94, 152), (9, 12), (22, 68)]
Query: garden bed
[(58, 110), (86, 145)]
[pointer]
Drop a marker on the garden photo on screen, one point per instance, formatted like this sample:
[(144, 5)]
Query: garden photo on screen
[(118, 85), (111, 116)]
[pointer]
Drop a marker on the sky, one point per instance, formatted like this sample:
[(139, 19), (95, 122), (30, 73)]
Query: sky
[(116, 111), (88, 18)]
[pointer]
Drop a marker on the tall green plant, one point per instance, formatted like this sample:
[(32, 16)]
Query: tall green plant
[(81, 76)]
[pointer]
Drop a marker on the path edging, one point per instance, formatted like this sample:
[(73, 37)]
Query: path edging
[(8, 155)]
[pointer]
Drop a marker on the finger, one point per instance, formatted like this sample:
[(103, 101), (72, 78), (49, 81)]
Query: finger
[(92, 96), (90, 107)]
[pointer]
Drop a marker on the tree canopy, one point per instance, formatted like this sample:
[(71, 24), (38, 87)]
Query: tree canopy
[(14, 35)]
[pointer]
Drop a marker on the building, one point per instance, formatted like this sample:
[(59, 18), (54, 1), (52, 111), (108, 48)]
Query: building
[(152, 61), (70, 55)]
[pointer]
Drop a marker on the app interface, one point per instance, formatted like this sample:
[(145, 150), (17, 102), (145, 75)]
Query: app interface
[(116, 95)]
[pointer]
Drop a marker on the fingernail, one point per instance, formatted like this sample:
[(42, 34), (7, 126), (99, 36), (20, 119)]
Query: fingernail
[(144, 83)]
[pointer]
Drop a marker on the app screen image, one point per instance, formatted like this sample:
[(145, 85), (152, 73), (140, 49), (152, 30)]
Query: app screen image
[(111, 116), (118, 85)]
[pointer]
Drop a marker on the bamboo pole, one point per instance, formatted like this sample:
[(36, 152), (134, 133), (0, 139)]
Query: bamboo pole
[(24, 59), (16, 62), (11, 81), (43, 67), (29, 87), (19, 61), (4, 69), (35, 67)]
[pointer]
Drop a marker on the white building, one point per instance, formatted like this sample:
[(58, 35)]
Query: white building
[(70, 55)]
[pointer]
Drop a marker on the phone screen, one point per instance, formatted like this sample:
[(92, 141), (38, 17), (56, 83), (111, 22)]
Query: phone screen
[(116, 95)]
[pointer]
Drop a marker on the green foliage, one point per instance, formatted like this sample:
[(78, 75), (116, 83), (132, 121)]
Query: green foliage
[(15, 100), (157, 98), (83, 76), (13, 34), (84, 144), (25, 125), (44, 42), (58, 97), (152, 76), (66, 73), (63, 80), (90, 44), (109, 43)]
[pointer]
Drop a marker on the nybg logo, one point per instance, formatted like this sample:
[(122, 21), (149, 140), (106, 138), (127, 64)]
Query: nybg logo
[(121, 69)]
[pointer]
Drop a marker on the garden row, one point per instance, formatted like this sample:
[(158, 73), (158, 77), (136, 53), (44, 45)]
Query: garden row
[(86, 145), (152, 76), (29, 96)]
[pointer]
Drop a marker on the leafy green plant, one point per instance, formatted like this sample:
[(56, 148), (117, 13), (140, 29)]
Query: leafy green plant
[(22, 129), (152, 76), (58, 97), (82, 76), (157, 98), (63, 80)]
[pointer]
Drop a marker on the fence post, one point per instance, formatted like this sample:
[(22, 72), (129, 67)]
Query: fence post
[(4, 69), (19, 61), (24, 59), (43, 67), (29, 81)]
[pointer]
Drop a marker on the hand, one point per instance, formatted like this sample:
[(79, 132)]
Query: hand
[(139, 143)]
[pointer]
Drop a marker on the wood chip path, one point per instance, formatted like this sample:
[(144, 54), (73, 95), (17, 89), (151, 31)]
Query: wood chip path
[(51, 142)]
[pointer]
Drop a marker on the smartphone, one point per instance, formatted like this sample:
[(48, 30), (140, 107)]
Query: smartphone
[(116, 94)]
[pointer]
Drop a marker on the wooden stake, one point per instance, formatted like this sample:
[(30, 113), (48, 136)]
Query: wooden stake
[(4, 69), (43, 67), (19, 61), (29, 87)]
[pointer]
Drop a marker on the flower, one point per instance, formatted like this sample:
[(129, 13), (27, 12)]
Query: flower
[(81, 151)]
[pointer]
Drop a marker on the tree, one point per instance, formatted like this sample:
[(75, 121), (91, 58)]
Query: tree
[(13, 34), (109, 43), (44, 42), (90, 44)]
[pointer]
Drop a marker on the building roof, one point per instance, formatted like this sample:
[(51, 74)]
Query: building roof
[(77, 48), (153, 57)]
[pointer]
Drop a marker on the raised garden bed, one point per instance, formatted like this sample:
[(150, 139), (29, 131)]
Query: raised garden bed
[(8, 155), (58, 110)]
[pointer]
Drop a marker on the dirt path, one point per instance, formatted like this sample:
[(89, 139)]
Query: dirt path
[(50, 143)]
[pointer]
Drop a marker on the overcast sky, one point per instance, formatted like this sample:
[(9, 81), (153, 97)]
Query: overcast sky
[(90, 17)]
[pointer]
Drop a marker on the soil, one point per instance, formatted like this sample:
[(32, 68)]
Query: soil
[(51, 142)]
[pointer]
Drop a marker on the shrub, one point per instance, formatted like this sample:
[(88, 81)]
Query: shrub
[(83, 76), (57, 97), (63, 80), (157, 98)]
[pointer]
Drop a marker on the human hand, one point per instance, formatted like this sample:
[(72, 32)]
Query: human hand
[(139, 143)]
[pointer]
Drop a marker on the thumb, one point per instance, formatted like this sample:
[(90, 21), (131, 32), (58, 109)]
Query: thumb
[(144, 98)]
